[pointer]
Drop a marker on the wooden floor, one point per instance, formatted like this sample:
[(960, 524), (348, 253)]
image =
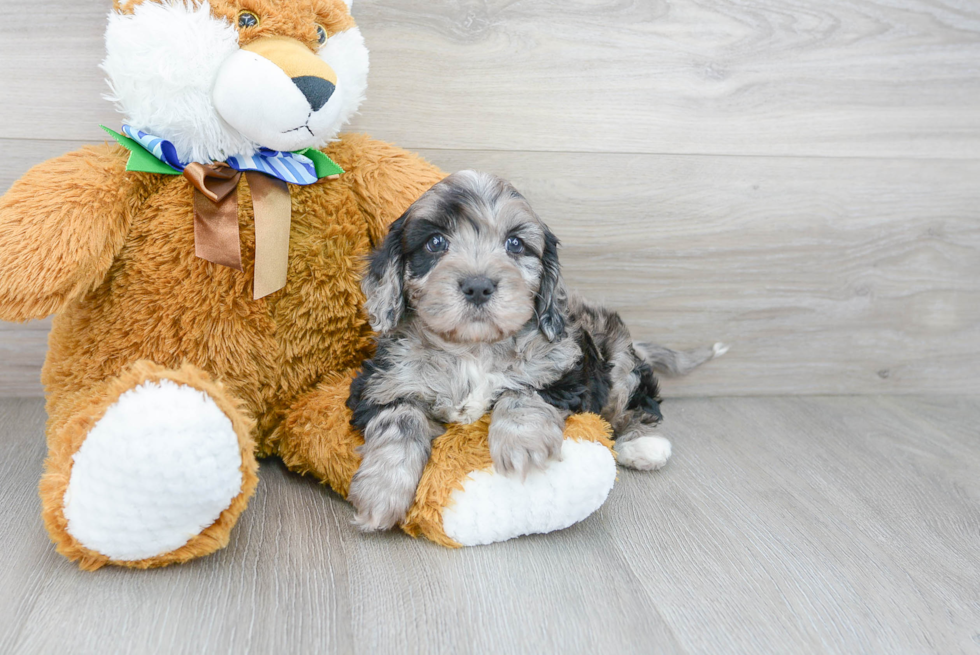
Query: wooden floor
[(782, 525)]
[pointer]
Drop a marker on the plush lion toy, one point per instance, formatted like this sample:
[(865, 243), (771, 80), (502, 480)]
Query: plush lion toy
[(204, 270)]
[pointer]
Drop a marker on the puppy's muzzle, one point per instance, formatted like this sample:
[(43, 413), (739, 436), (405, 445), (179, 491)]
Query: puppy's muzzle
[(477, 289)]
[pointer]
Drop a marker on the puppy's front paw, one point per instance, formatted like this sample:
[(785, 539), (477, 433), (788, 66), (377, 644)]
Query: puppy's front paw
[(518, 447), (374, 520), (380, 504), (647, 453)]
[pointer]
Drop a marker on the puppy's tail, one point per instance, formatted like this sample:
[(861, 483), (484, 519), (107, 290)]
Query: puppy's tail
[(672, 363)]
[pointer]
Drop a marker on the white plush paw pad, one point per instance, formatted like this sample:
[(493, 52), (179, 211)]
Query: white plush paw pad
[(644, 453), (155, 471), (495, 507)]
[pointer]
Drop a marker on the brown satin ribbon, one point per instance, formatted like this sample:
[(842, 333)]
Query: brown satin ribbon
[(216, 236)]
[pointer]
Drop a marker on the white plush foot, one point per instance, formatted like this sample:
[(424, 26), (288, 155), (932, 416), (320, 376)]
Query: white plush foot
[(158, 468), (644, 453), (495, 507)]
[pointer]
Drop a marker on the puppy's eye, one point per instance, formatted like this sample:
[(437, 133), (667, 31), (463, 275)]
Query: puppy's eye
[(514, 245), (247, 19), (436, 243), (321, 34)]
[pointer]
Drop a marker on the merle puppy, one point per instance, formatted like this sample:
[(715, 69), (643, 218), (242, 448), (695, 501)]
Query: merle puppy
[(472, 316)]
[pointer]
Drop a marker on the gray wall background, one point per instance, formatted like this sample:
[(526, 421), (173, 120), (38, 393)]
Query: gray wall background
[(799, 179)]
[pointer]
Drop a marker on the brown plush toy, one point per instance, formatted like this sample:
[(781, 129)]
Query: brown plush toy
[(205, 277)]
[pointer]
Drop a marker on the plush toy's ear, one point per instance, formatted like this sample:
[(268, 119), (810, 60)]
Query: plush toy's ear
[(383, 282), (551, 307)]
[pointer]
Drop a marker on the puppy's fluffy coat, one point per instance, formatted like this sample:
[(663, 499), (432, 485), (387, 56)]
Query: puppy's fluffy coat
[(472, 315)]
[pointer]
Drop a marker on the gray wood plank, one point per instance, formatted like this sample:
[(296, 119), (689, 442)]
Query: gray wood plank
[(850, 527), (838, 78), (30, 558), (22, 350), (803, 525), (561, 593), (826, 275)]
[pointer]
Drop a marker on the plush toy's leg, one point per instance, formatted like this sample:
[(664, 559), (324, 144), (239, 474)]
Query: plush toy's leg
[(461, 500), (147, 469)]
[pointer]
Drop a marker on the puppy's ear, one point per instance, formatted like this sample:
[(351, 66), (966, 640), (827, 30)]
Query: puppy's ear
[(383, 282), (552, 305)]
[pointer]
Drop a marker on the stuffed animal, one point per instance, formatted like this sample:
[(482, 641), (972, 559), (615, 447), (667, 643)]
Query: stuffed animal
[(204, 270)]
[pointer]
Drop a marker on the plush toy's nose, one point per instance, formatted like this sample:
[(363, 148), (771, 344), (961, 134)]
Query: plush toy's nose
[(316, 89), (309, 73)]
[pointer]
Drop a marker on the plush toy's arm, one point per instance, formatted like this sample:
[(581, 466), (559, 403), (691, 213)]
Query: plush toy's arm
[(61, 226), (386, 180)]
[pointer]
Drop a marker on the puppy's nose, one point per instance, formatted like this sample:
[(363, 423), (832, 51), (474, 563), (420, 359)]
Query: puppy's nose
[(477, 289), (316, 89)]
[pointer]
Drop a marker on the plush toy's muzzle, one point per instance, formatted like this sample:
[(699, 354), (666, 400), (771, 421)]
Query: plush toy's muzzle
[(313, 76), (277, 92)]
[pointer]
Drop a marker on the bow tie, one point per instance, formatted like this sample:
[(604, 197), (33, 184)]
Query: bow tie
[(216, 235)]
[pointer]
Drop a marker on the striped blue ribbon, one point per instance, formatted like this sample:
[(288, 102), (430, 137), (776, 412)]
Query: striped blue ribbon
[(289, 167)]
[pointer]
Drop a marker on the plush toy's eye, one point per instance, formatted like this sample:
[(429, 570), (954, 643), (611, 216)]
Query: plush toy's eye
[(436, 243), (514, 245), (247, 19), (321, 34)]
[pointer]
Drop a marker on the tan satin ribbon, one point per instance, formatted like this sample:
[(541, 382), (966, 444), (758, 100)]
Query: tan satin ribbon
[(273, 213), (216, 236)]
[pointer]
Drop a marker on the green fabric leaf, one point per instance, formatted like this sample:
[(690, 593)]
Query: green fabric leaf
[(140, 160), (325, 167)]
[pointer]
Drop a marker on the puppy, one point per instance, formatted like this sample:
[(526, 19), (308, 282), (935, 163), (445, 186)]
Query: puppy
[(472, 315)]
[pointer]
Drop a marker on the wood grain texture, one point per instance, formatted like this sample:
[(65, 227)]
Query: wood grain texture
[(817, 511), (22, 351), (827, 276), (835, 78), (843, 273), (791, 525)]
